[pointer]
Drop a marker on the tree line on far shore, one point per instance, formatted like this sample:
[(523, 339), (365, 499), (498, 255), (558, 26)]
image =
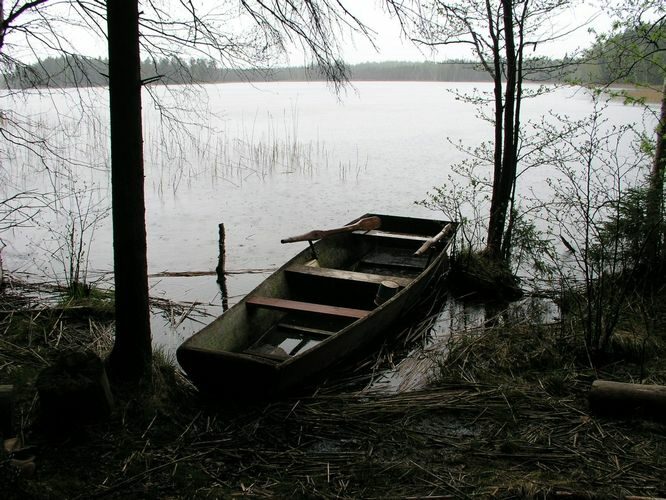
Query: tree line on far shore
[(79, 71)]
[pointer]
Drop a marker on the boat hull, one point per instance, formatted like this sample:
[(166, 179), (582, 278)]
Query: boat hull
[(220, 359)]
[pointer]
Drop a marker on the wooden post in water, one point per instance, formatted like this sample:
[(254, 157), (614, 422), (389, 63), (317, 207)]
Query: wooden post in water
[(220, 270)]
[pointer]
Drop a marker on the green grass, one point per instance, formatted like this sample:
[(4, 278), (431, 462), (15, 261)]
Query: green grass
[(94, 301)]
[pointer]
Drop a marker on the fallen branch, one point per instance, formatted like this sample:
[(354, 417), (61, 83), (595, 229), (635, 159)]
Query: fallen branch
[(191, 274)]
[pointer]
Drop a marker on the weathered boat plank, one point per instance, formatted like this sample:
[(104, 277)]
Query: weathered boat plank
[(296, 305), (347, 275)]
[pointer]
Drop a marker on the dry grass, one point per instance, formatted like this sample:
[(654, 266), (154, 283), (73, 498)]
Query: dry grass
[(506, 416), (651, 95)]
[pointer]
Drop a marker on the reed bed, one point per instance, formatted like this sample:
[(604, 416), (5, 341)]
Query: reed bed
[(505, 416), (32, 333), (453, 442)]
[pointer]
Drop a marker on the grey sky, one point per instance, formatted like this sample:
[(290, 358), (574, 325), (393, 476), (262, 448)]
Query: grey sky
[(390, 42), (393, 45)]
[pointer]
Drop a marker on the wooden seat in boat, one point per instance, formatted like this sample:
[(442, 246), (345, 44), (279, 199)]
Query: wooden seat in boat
[(269, 352), (347, 275), (295, 305)]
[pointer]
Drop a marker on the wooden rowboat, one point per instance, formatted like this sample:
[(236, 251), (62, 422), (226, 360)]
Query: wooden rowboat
[(336, 296)]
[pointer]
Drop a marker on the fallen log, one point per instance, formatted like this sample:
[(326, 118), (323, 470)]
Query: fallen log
[(624, 399)]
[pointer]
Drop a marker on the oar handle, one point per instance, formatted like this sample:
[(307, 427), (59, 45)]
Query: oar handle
[(365, 224), (435, 239)]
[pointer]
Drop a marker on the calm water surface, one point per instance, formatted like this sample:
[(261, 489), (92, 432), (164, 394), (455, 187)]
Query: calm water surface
[(268, 161)]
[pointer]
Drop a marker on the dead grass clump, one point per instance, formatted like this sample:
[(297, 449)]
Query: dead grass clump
[(459, 440), (549, 439), (474, 275), (506, 354)]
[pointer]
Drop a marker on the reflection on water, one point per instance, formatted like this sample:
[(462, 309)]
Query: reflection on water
[(413, 369)]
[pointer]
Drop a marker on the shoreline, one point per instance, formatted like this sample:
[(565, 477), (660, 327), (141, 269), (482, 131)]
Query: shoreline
[(649, 95)]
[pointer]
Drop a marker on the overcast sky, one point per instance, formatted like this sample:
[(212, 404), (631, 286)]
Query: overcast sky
[(390, 42), (393, 45)]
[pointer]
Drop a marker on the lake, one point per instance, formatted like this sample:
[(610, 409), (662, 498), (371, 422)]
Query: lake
[(268, 160)]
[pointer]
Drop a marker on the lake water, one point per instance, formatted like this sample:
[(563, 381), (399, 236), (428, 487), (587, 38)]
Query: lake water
[(267, 160)]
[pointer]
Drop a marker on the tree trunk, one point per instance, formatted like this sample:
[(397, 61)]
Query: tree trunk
[(503, 183), (655, 194), (495, 222), (518, 85), (3, 25), (131, 355), (509, 151)]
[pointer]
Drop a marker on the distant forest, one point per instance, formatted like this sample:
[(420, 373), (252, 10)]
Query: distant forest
[(71, 71)]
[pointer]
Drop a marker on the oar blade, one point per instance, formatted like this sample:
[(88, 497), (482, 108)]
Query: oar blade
[(365, 224)]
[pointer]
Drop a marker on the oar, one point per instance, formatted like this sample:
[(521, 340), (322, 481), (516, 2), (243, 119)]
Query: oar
[(365, 224)]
